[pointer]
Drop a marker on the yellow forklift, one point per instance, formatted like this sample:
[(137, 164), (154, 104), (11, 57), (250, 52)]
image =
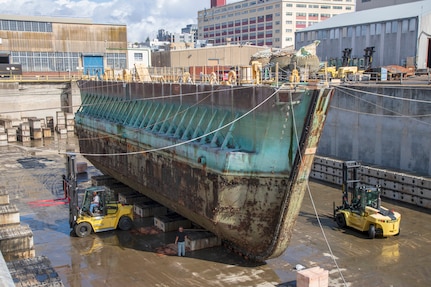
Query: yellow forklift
[(363, 210), (107, 215)]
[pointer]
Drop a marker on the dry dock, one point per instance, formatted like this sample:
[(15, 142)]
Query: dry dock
[(116, 258)]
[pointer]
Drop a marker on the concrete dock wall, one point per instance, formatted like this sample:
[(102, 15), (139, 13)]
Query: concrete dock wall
[(380, 125), (38, 99), (395, 185)]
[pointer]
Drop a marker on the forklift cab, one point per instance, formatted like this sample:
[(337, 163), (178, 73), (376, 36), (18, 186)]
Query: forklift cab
[(364, 196), (88, 198)]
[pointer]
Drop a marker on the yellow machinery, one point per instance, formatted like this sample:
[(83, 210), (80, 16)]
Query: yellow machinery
[(107, 216), (344, 72), (363, 211)]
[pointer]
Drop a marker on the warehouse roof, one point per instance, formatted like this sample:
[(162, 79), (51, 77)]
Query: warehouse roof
[(389, 13), (68, 20)]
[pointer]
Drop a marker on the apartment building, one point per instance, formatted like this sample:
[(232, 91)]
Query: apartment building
[(265, 22)]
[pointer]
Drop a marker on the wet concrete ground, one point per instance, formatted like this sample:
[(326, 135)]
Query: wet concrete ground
[(117, 258)]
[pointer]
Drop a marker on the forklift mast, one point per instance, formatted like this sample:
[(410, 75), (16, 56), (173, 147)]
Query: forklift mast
[(70, 184), (351, 180)]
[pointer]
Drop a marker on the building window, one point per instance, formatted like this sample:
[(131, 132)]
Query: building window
[(138, 57), (388, 27), (378, 28), (301, 6), (412, 24), (394, 26), (364, 30), (301, 15), (25, 26), (372, 29)]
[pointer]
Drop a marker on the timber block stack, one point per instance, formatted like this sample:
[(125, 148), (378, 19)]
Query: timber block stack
[(23, 134), (3, 136), (16, 240), (50, 123), (61, 123), (70, 122), (11, 134), (35, 128)]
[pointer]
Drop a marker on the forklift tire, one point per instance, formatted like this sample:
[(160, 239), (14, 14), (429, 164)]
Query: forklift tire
[(125, 223), (372, 231), (83, 229), (341, 221)]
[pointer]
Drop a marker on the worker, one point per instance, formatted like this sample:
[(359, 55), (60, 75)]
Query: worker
[(95, 202), (356, 202), (180, 240)]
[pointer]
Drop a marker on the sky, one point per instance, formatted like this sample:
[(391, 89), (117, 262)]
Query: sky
[(142, 17)]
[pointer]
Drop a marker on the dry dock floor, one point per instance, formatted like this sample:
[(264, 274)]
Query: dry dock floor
[(117, 258)]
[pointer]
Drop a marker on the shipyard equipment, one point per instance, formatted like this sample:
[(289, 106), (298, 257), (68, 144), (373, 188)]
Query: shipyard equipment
[(361, 207), (108, 215)]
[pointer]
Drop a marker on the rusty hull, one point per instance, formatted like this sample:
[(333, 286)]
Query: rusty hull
[(253, 212)]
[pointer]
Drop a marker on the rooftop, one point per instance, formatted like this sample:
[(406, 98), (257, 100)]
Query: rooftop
[(68, 20), (382, 14)]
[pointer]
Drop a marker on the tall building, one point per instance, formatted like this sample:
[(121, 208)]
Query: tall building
[(265, 22), (371, 4)]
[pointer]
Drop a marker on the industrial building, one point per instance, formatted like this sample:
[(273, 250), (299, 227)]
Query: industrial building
[(371, 4), (399, 35), (61, 46), (264, 22)]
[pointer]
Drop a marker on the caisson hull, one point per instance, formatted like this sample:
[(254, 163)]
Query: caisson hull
[(233, 159)]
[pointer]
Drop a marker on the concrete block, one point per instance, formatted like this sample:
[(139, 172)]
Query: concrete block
[(12, 138), (318, 167), (171, 222), (81, 167), (131, 197), (201, 239), (312, 277), (11, 131), (148, 209), (17, 238), (4, 197), (424, 202), (425, 182), (99, 180), (34, 123), (9, 215)]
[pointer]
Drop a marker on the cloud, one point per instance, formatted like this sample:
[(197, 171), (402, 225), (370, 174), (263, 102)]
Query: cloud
[(142, 17)]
